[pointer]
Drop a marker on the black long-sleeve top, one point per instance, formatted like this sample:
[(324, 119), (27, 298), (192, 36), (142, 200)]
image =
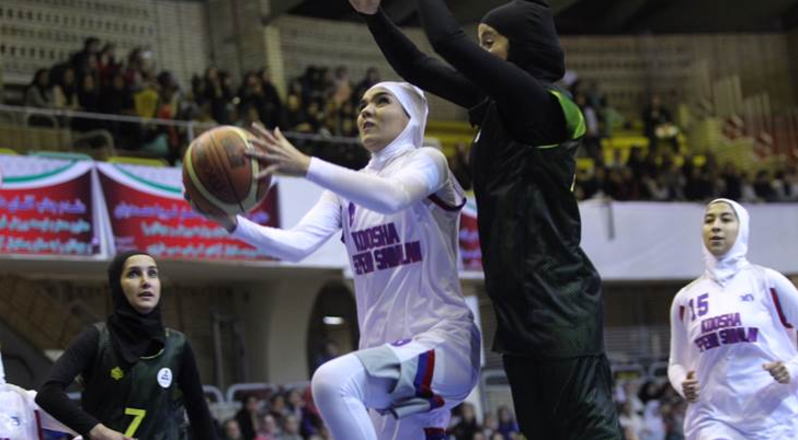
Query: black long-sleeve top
[(80, 356), (530, 113), (546, 292)]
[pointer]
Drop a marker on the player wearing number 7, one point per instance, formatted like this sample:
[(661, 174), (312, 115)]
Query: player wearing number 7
[(139, 377), (733, 348)]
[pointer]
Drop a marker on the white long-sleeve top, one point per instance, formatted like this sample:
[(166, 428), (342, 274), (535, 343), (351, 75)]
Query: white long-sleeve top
[(400, 222), (724, 326)]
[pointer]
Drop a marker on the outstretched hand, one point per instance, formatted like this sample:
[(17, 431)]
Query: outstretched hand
[(277, 154), (368, 7), (779, 371)]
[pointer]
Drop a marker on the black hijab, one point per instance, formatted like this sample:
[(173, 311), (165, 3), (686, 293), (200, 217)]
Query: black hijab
[(534, 44), (133, 334)]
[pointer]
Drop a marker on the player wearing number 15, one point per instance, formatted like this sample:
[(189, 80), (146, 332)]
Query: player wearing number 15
[(139, 377), (733, 353)]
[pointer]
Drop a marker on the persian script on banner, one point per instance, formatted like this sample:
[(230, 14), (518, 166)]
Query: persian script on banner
[(48, 207), (146, 211)]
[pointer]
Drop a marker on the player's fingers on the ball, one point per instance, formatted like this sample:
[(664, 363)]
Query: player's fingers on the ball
[(257, 127), (260, 155), (263, 144), (265, 174)]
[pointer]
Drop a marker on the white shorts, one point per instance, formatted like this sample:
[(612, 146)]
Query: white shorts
[(430, 381)]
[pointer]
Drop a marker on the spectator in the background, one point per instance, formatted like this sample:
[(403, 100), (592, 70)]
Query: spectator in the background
[(291, 428), (107, 64), (316, 115), (630, 393), (295, 404), (763, 187), (251, 94), (39, 93), (490, 424), (466, 426), (610, 119), (231, 430), (145, 95), (342, 87), (649, 391), (247, 417), (507, 424), (65, 91), (272, 112), (658, 125), (653, 425), (218, 95), (732, 183), (89, 101), (631, 421), (277, 406), (80, 61), (747, 193), (592, 139), (268, 429)]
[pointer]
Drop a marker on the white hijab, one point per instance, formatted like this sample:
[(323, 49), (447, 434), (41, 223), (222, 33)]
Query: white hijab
[(415, 105), (723, 268)]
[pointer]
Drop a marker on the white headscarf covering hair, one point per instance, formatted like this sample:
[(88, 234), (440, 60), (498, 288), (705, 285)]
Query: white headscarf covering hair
[(413, 101), (724, 267)]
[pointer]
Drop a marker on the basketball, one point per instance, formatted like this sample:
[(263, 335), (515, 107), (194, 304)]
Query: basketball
[(217, 175)]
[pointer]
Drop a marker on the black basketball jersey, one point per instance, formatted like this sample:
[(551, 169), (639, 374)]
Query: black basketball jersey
[(140, 400), (545, 290)]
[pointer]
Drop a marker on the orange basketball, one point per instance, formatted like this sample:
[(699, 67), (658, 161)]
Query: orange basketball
[(217, 175)]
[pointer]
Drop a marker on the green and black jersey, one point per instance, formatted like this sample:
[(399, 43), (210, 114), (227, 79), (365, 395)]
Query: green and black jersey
[(143, 400), (546, 292)]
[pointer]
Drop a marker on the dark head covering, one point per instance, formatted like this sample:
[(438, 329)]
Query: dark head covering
[(534, 45), (133, 334)]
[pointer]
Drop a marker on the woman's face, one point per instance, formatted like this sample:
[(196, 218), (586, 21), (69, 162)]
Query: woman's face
[(140, 283), (41, 79), (381, 119), (720, 229), (492, 41)]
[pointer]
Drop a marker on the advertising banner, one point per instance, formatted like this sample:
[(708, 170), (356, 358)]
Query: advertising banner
[(146, 211), (47, 207)]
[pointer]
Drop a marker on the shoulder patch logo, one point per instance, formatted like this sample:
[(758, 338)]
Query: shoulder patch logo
[(117, 373), (165, 377)]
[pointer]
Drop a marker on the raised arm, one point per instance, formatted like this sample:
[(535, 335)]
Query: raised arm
[(423, 175), (418, 68), (294, 244), (532, 114)]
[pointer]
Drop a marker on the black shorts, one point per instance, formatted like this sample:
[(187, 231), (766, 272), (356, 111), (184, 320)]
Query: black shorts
[(567, 399)]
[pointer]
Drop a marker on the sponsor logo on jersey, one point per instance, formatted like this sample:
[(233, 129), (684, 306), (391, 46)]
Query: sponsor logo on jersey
[(165, 377), (747, 297), (117, 373)]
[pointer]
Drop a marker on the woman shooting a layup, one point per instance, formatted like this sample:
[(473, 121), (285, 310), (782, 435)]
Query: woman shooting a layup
[(419, 345), (733, 348), (545, 290)]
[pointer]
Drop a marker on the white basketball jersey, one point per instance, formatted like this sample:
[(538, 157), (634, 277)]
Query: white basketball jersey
[(405, 267)]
